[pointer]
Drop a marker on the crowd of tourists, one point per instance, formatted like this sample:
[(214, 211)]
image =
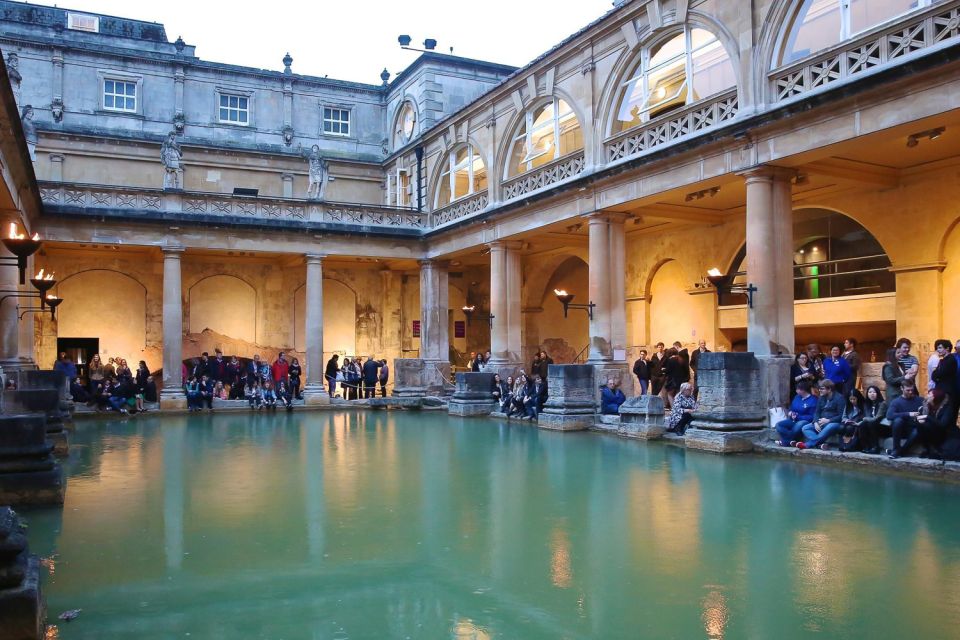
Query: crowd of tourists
[(110, 385), (357, 379), (829, 404), (672, 375), (261, 384), (522, 395)]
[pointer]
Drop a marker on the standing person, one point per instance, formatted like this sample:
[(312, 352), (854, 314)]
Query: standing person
[(944, 376), (826, 418), (473, 364), (353, 375), (695, 363), (330, 374), (815, 360), (900, 368), (543, 367), (142, 381), (218, 367), (641, 369), (65, 364), (95, 374), (371, 371), (235, 378), (253, 370), (836, 369), (296, 372), (801, 371), (280, 369), (656, 370), (853, 359), (202, 367), (384, 377)]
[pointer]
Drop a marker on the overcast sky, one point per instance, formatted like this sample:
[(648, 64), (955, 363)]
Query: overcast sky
[(356, 40)]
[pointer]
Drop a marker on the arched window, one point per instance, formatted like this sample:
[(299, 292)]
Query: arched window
[(820, 24), (406, 125), (547, 132), (833, 256), (461, 174), (681, 70)]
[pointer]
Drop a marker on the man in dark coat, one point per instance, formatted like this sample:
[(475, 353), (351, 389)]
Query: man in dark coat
[(371, 371), (641, 369)]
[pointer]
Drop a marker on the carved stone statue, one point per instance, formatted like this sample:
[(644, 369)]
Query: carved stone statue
[(170, 155), (288, 135), (318, 174), (29, 130), (13, 71), (56, 109)]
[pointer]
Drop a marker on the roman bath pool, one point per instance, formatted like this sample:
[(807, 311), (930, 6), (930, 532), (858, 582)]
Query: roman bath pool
[(415, 525)]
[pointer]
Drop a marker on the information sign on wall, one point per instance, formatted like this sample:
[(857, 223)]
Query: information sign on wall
[(416, 328), (459, 329)]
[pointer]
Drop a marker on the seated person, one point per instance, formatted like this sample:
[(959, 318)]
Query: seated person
[(802, 409), (102, 396), (220, 392), (506, 395), (826, 419), (78, 392), (611, 397), (519, 393), (284, 395), (533, 401), (902, 413), (681, 413), (150, 390), (874, 425), (254, 394), (269, 396), (935, 422), (206, 392), (192, 389)]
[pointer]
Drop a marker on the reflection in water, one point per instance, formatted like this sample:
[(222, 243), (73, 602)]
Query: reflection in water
[(561, 573), (403, 524), (715, 615)]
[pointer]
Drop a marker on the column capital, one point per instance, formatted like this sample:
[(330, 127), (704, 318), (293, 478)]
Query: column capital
[(172, 250), (767, 173), (514, 245), (596, 217), (314, 258), (434, 263)]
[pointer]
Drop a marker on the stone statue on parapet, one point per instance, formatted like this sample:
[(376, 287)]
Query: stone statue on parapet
[(29, 130), (317, 174), (13, 72), (171, 155)]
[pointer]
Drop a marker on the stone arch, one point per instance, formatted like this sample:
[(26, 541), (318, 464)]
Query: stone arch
[(339, 318), (225, 304), (630, 56), (563, 338), (503, 150), (673, 314), (433, 180), (537, 276), (771, 37), (108, 305)]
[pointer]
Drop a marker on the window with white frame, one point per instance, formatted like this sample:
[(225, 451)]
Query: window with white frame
[(678, 71), (336, 121), (83, 22), (461, 174), (120, 95), (234, 108), (398, 187), (820, 24), (547, 132)]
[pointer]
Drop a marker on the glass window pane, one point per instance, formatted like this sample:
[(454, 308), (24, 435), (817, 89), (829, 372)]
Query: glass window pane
[(667, 86), (461, 183), (108, 101), (865, 14), (712, 71), (673, 48), (571, 136), (108, 86), (628, 115), (518, 152), (131, 104), (817, 27)]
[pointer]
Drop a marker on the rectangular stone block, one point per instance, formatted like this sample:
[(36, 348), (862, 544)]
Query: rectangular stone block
[(473, 395), (722, 441), (642, 417), (571, 405), (562, 422), (731, 394)]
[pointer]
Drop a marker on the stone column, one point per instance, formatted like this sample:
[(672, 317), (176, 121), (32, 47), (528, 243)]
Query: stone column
[(601, 329), (172, 394), (313, 391), (9, 325), (287, 179), (770, 324), (505, 283), (27, 327), (618, 288), (434, 323)]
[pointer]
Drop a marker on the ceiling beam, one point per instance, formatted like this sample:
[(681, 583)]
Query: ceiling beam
[(853, 170)]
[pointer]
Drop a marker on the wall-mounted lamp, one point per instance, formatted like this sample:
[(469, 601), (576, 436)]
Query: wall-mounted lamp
[(42, 283), (469, 312), (703, 193), (52, 302), (21, 247), (724, 284), (931, 134), (566, 299)]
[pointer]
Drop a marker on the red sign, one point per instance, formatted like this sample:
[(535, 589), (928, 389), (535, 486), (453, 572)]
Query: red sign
[(416, 328), (459, 329)]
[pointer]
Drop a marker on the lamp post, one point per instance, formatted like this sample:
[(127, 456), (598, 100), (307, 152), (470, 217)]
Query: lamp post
[(469, 311), (724, 284), (566, 299)]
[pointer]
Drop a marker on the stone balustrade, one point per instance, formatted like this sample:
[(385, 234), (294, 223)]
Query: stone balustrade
[(462, 208), (70, 198), (560, 170), (901, 41)]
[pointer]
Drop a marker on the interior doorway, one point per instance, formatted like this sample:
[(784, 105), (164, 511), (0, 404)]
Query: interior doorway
[(80, 349)]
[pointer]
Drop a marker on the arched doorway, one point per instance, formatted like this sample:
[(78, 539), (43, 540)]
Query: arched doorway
[(339, 319), (565, 339)]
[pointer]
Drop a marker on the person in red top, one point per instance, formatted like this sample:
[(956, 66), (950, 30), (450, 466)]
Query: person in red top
[(280, 368)]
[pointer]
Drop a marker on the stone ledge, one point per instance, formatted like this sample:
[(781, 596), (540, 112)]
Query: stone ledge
[(908, 465)]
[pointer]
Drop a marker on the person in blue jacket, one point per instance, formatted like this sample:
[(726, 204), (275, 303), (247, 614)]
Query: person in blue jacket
[(836, 368), (827, 419), (611, 398), (802, 408)]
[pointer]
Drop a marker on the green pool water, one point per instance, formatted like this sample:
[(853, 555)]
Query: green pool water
[(415, 525)]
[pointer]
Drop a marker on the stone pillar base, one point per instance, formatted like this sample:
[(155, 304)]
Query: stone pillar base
[(722, 441), (28, 472), (60, 442), (175, 401), (22, 609), (418, 378), (316, 395), (619, 371), (503, 368), (565, 421), (642, 417), (775, 380), (473, 396)]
